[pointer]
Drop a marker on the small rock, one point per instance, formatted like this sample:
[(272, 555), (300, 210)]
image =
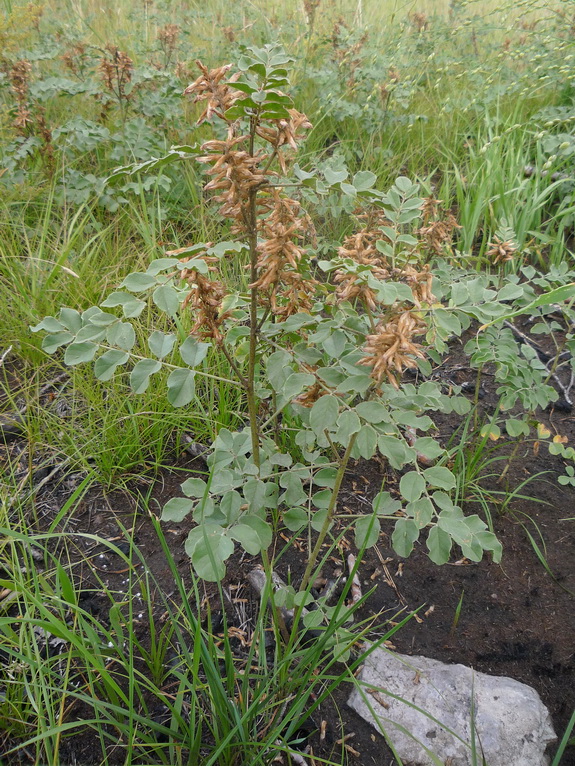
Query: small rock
[(12, 426), (195, 449), (512, 726)]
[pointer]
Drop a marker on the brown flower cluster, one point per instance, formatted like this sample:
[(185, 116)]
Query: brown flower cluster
[(347, 53), (420, 283), (283, 226), (284, 133), (419, 21), (75, 60), (235, 172), (438, 227), (387, 88), (116, 71), (310, 9), (392, 349), (30, 117), (211, 86), (19, 76), (205, 296), (168, 37), (310, 396), (501, 251), (360, 247)]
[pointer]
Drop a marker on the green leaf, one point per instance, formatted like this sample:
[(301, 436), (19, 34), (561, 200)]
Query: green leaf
[(395, 450), (348, 423), (334, 344), (323, 414), (49, 324), (262, 529), (516, 427), (255, 494), (193, 352), (162, 264), (71, 319), (225, 247), (325, 478), (105, 365), (313, 619), (385, 505), (318, 519), (90, 332), (161, 344), (181, 387), (138, 282), (224, 480), (278, 368), (422, 511), (166, 299), (366, 442), (367, 531), (557, 295), (330, 375), (140, 375), (194, 488), (295, 383), (441, 477), (176, 153), (177, 509), (131, 306), (230, 506), (121, 334), (364, 180), (294, 492), (209, 547), (439, 545), (100, 318), (78, 353), (455, 524), (404, 535), (322, 498), (117, 298), (247, 538), (295, 519), (333, 177), (428, 447), (52, 342), (412, 486), (373, 412), (405, 185)]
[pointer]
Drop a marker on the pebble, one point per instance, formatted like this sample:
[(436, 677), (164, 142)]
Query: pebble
[(11, 426)]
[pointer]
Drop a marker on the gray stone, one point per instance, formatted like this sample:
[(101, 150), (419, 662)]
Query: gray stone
[(12, 426), (512, 726)]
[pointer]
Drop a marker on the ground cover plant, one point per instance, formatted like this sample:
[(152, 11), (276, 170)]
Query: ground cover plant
[(272, 275)]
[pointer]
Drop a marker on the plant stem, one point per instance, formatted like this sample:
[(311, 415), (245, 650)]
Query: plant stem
[(329, 515), (252, 226)]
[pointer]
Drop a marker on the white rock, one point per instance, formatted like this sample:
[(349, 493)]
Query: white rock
[(512, 726)]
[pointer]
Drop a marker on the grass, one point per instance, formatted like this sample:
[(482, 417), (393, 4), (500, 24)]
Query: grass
[(457, 94), (154, 686)]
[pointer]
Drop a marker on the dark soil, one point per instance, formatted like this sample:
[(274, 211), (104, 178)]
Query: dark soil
[(515, 619)]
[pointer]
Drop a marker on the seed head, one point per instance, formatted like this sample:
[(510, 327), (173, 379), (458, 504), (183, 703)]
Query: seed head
[(391, 349)]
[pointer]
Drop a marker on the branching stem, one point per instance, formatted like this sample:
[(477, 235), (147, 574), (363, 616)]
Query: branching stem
[(329, 515)]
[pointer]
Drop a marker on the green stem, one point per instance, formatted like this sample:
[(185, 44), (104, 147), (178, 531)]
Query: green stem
[(329, 515), (252, 355)]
